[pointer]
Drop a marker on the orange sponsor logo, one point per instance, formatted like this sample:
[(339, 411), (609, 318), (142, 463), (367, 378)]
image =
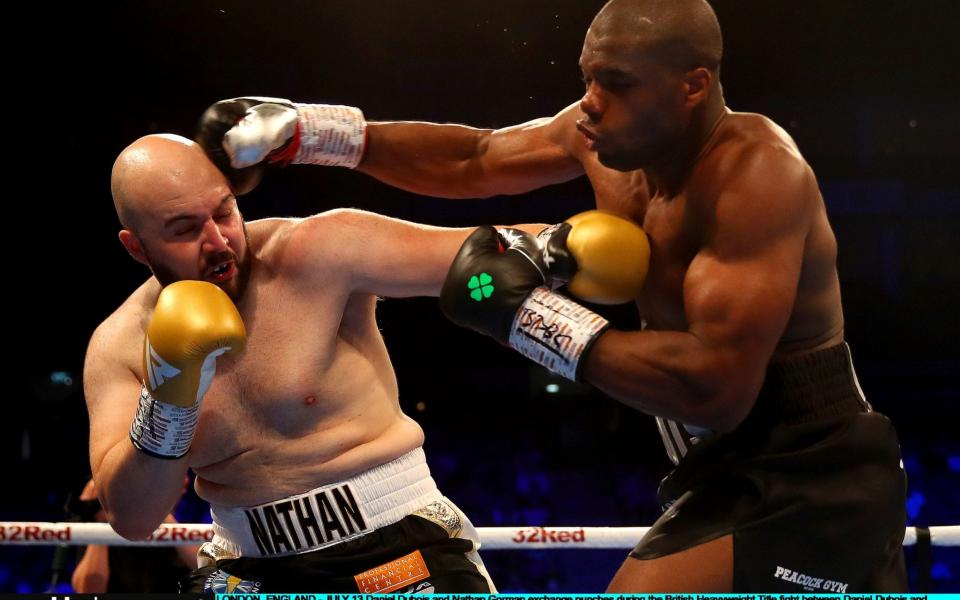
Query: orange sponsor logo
[(393, 575)]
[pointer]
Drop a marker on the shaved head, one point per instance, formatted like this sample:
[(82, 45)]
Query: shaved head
[(179, 215), (682, 34), (156, 168)]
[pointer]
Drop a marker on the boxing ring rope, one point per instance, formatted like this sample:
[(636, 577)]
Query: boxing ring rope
[(493, 538)]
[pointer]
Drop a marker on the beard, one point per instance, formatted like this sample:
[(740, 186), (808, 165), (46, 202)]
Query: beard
[(234, 287)]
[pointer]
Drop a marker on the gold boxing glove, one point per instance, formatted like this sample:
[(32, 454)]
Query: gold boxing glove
[(603, 258), (192, 324)]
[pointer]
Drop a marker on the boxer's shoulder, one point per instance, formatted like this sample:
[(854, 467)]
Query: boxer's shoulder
[(302, 245), (750, 153), (119, 338), (133, 313), (749, 136)]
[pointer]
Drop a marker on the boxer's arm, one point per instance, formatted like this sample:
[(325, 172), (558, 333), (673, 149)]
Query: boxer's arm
[(371, 253), (455, 161), (92, 573), (738, 295), (136, 491)]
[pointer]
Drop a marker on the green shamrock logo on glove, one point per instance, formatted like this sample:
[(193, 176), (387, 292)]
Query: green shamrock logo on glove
[(481, 286)]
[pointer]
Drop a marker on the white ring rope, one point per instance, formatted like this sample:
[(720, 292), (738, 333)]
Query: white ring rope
[(493, 538)]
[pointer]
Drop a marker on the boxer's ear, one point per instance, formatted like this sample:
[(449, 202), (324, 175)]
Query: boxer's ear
[(133, 246), (696, 86)]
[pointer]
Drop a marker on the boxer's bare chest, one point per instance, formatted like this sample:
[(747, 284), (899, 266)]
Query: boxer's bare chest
[(281, 363), (285, 376), (674, 236)]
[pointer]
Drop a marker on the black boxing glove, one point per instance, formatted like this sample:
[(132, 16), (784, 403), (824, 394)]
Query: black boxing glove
[(496, 286)]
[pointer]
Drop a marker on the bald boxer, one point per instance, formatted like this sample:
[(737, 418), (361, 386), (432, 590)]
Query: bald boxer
[(253, 357), (786, 479)]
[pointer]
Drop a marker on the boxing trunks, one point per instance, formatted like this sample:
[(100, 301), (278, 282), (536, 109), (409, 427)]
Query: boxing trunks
[(810, 485), (386, 530)]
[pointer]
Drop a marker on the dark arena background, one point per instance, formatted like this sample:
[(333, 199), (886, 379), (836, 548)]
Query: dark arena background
[(868, 89)]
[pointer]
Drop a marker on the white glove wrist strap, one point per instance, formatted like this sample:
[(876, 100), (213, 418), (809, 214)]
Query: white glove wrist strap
[(161, 429), (331, 135), (555, 331)]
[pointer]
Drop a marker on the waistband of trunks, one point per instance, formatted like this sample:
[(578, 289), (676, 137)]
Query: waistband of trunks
[(810, 387), (327, 515)]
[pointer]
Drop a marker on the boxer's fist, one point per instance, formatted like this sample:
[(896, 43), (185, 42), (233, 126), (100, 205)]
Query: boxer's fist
[(242, 135), (192, 324), (602, 257)]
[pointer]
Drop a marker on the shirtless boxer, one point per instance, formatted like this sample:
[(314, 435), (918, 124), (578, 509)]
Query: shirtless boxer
[(786, 479), (316, 479)]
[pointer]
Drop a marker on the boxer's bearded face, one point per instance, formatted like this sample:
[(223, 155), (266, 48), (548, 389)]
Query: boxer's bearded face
[(202, 238)]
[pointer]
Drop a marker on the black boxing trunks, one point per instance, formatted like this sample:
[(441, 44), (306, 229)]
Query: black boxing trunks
[(811, 486)]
